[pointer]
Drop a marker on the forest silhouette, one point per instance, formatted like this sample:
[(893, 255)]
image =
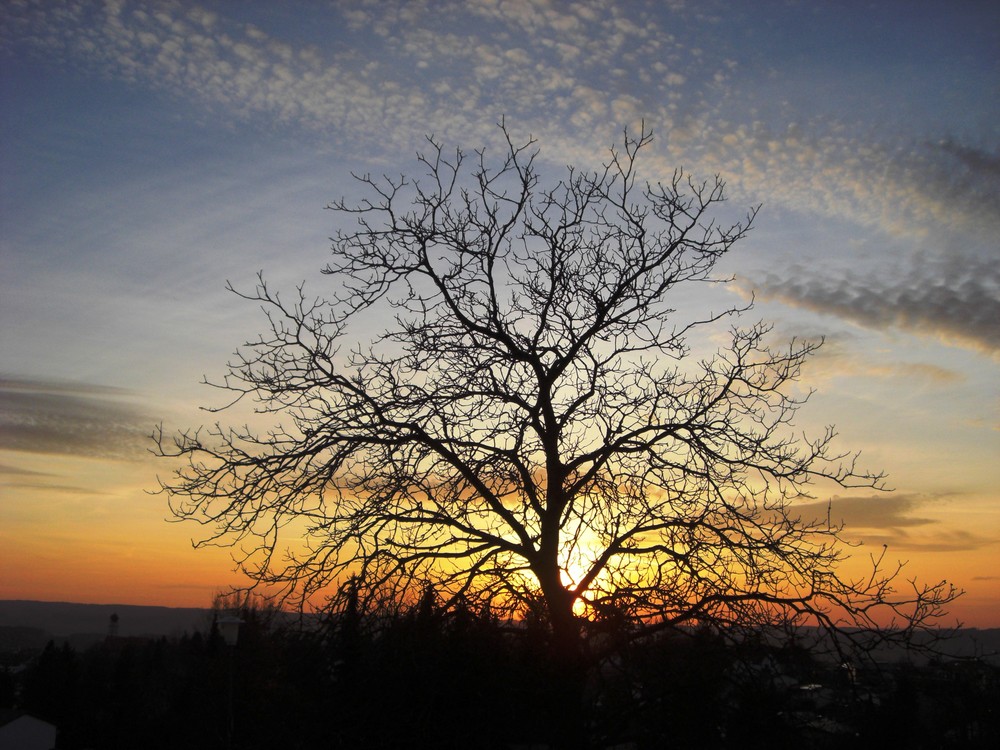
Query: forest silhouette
[(429, 677)]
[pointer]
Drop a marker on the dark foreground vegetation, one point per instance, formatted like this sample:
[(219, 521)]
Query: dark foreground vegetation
[(423, 678)]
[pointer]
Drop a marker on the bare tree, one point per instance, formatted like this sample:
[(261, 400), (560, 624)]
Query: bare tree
[(531, 429)]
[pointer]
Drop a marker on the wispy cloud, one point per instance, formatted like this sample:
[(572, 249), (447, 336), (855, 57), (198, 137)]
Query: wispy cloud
[(897, 521), (839, 358), (38, 416), (50, 488), (943, 540), (17, 471), (869, 512), (956, 300)]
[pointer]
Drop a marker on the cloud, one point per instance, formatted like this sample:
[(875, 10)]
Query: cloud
[(953, 299), (981, 167), (893, 520), (918, 371), (406, 70), (20, 472), (839, 358), (942, 541), (192, 53), (393, 75), (818, 165), (38, 416), (50, 488), (869, 512), (402, 70)]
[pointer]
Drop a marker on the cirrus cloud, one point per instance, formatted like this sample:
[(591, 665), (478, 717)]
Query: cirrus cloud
[(38, 416)]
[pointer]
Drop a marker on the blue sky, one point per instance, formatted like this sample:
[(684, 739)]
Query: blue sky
[(151, 151)]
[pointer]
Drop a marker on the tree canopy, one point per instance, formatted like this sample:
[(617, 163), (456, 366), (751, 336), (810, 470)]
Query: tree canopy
[(530, 430)]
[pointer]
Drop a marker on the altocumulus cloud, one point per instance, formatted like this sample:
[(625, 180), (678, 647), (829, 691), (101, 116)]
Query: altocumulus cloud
[(574, 74), (389, 72), (954, 299), (70, 419)]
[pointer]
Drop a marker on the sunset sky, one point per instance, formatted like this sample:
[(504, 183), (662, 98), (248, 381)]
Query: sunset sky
[(151, 151)]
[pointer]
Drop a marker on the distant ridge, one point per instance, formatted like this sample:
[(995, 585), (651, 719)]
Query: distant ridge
[(83, 624), (66, 619)]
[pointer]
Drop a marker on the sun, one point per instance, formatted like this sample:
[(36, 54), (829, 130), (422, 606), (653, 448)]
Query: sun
[(575, 567)]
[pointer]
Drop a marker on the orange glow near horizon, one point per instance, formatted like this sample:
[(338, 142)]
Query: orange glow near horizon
[(178, 576), (107, 541), (149, 562)]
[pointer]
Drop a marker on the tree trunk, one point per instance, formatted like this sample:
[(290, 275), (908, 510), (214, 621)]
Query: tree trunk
[(567, 670)]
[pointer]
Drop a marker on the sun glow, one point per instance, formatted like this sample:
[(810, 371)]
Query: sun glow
[(577, 563)]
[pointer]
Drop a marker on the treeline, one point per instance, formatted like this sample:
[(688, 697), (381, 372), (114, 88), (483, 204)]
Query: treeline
[(425, 677)]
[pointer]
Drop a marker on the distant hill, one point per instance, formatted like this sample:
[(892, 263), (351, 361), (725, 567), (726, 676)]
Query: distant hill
[(64, 620), (32, 624), (967, 643)]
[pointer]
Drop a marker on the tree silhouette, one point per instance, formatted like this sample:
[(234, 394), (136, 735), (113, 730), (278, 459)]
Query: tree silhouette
[(531, 431)]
